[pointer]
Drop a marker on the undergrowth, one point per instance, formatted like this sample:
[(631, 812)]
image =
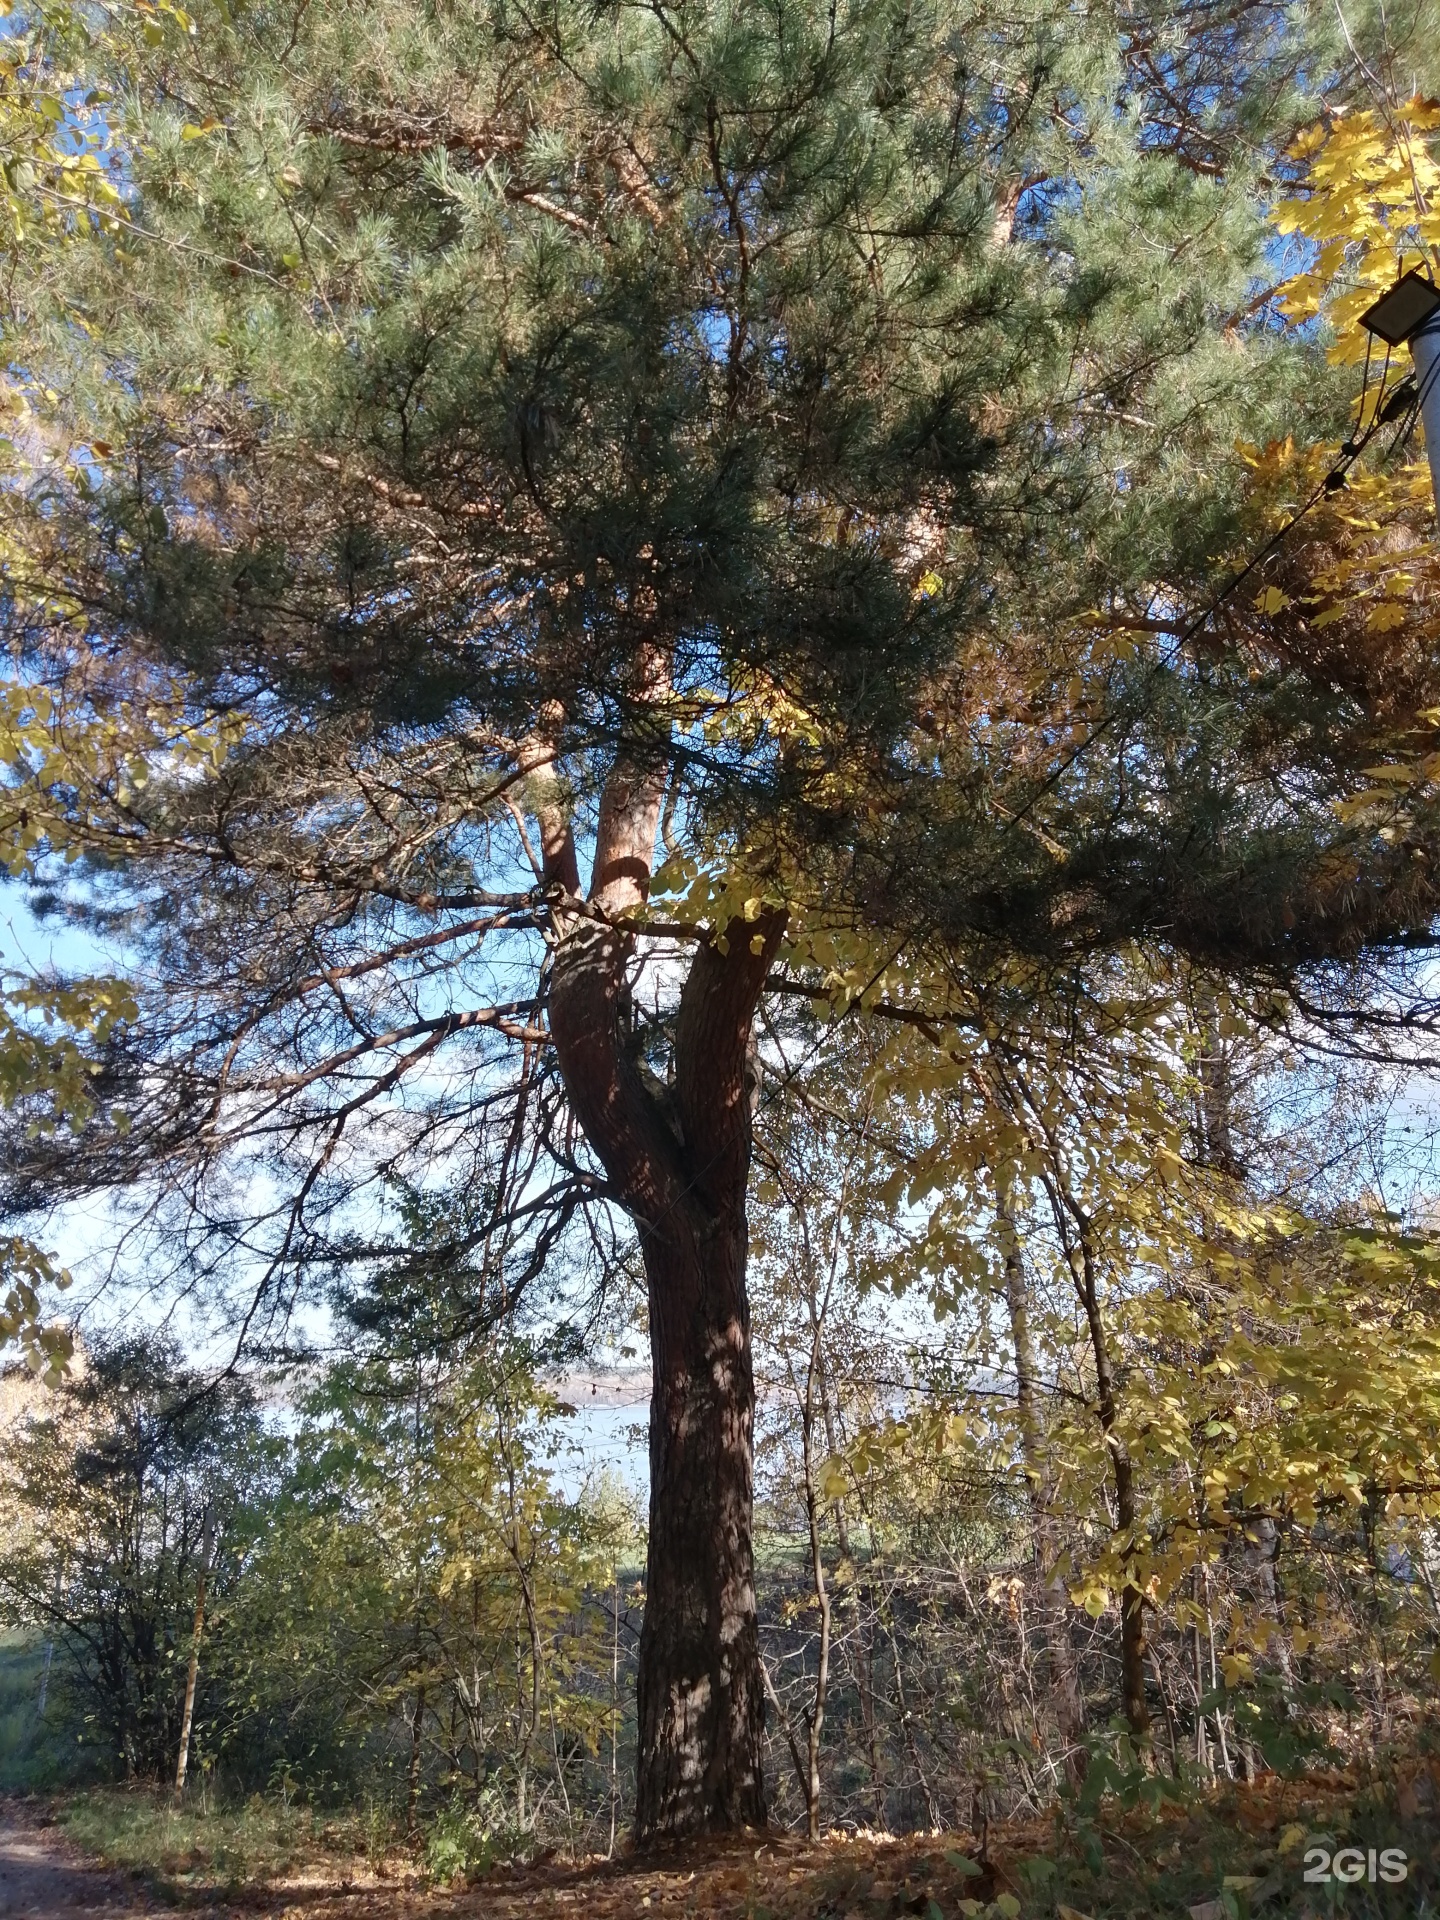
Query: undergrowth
[(199, 1845), (1149, 1848)]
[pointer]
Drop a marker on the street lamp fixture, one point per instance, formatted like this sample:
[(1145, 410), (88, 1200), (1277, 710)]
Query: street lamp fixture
[(1397, 316)]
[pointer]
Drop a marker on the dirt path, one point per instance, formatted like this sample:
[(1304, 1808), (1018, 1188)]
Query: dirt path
[(41, 1877)]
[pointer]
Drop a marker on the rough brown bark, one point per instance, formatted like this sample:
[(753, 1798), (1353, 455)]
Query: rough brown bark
[(700, 1694), (677, 1157)]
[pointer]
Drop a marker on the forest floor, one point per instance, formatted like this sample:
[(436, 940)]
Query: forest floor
[(1241, 1851)]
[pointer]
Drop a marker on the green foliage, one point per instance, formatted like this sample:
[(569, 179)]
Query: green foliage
[(400, 1597), (464, 1840), (418, 1561), (57, 180), (1236, 1855), (49, 1033), (57, 186), (103, 1527), (37, 1752), (523, 322)]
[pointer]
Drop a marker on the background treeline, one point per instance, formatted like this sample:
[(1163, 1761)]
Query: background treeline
[(403, 1609)]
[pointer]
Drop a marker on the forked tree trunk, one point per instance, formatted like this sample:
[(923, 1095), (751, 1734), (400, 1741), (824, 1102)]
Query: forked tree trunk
[(677, 1157)]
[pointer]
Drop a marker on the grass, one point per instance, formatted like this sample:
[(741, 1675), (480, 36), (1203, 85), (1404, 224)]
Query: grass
[(199, 1848)]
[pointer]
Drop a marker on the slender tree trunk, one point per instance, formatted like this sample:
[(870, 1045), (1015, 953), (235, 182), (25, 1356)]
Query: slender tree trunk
[(822, 1681), (1074, 1228), (1262, 1550), (677, 1157), (1215, 1092), (412, 1784), (807, 1760), (860, 1662), (1424, 1558), (1066, 1698), (183, 1762), (1202, 1744), (817, 1575), (1132, 1618), (1171, 1724), (1220, 1739), (527, 1710), (1073, 1225)]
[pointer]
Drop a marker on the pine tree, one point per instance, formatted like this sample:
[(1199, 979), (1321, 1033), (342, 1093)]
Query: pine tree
[(534, 436)]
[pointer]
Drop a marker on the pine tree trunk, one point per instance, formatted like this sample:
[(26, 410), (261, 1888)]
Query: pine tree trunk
[(677, 1158), (700, 1689)]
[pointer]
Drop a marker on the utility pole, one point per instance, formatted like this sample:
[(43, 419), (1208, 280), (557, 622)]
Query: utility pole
[(615, 1716), (207, 1542), (1409, 315), (1425, 351)]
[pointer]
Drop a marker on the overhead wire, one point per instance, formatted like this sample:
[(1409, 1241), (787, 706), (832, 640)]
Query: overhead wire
[(1334, 481), (1350, 451)]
